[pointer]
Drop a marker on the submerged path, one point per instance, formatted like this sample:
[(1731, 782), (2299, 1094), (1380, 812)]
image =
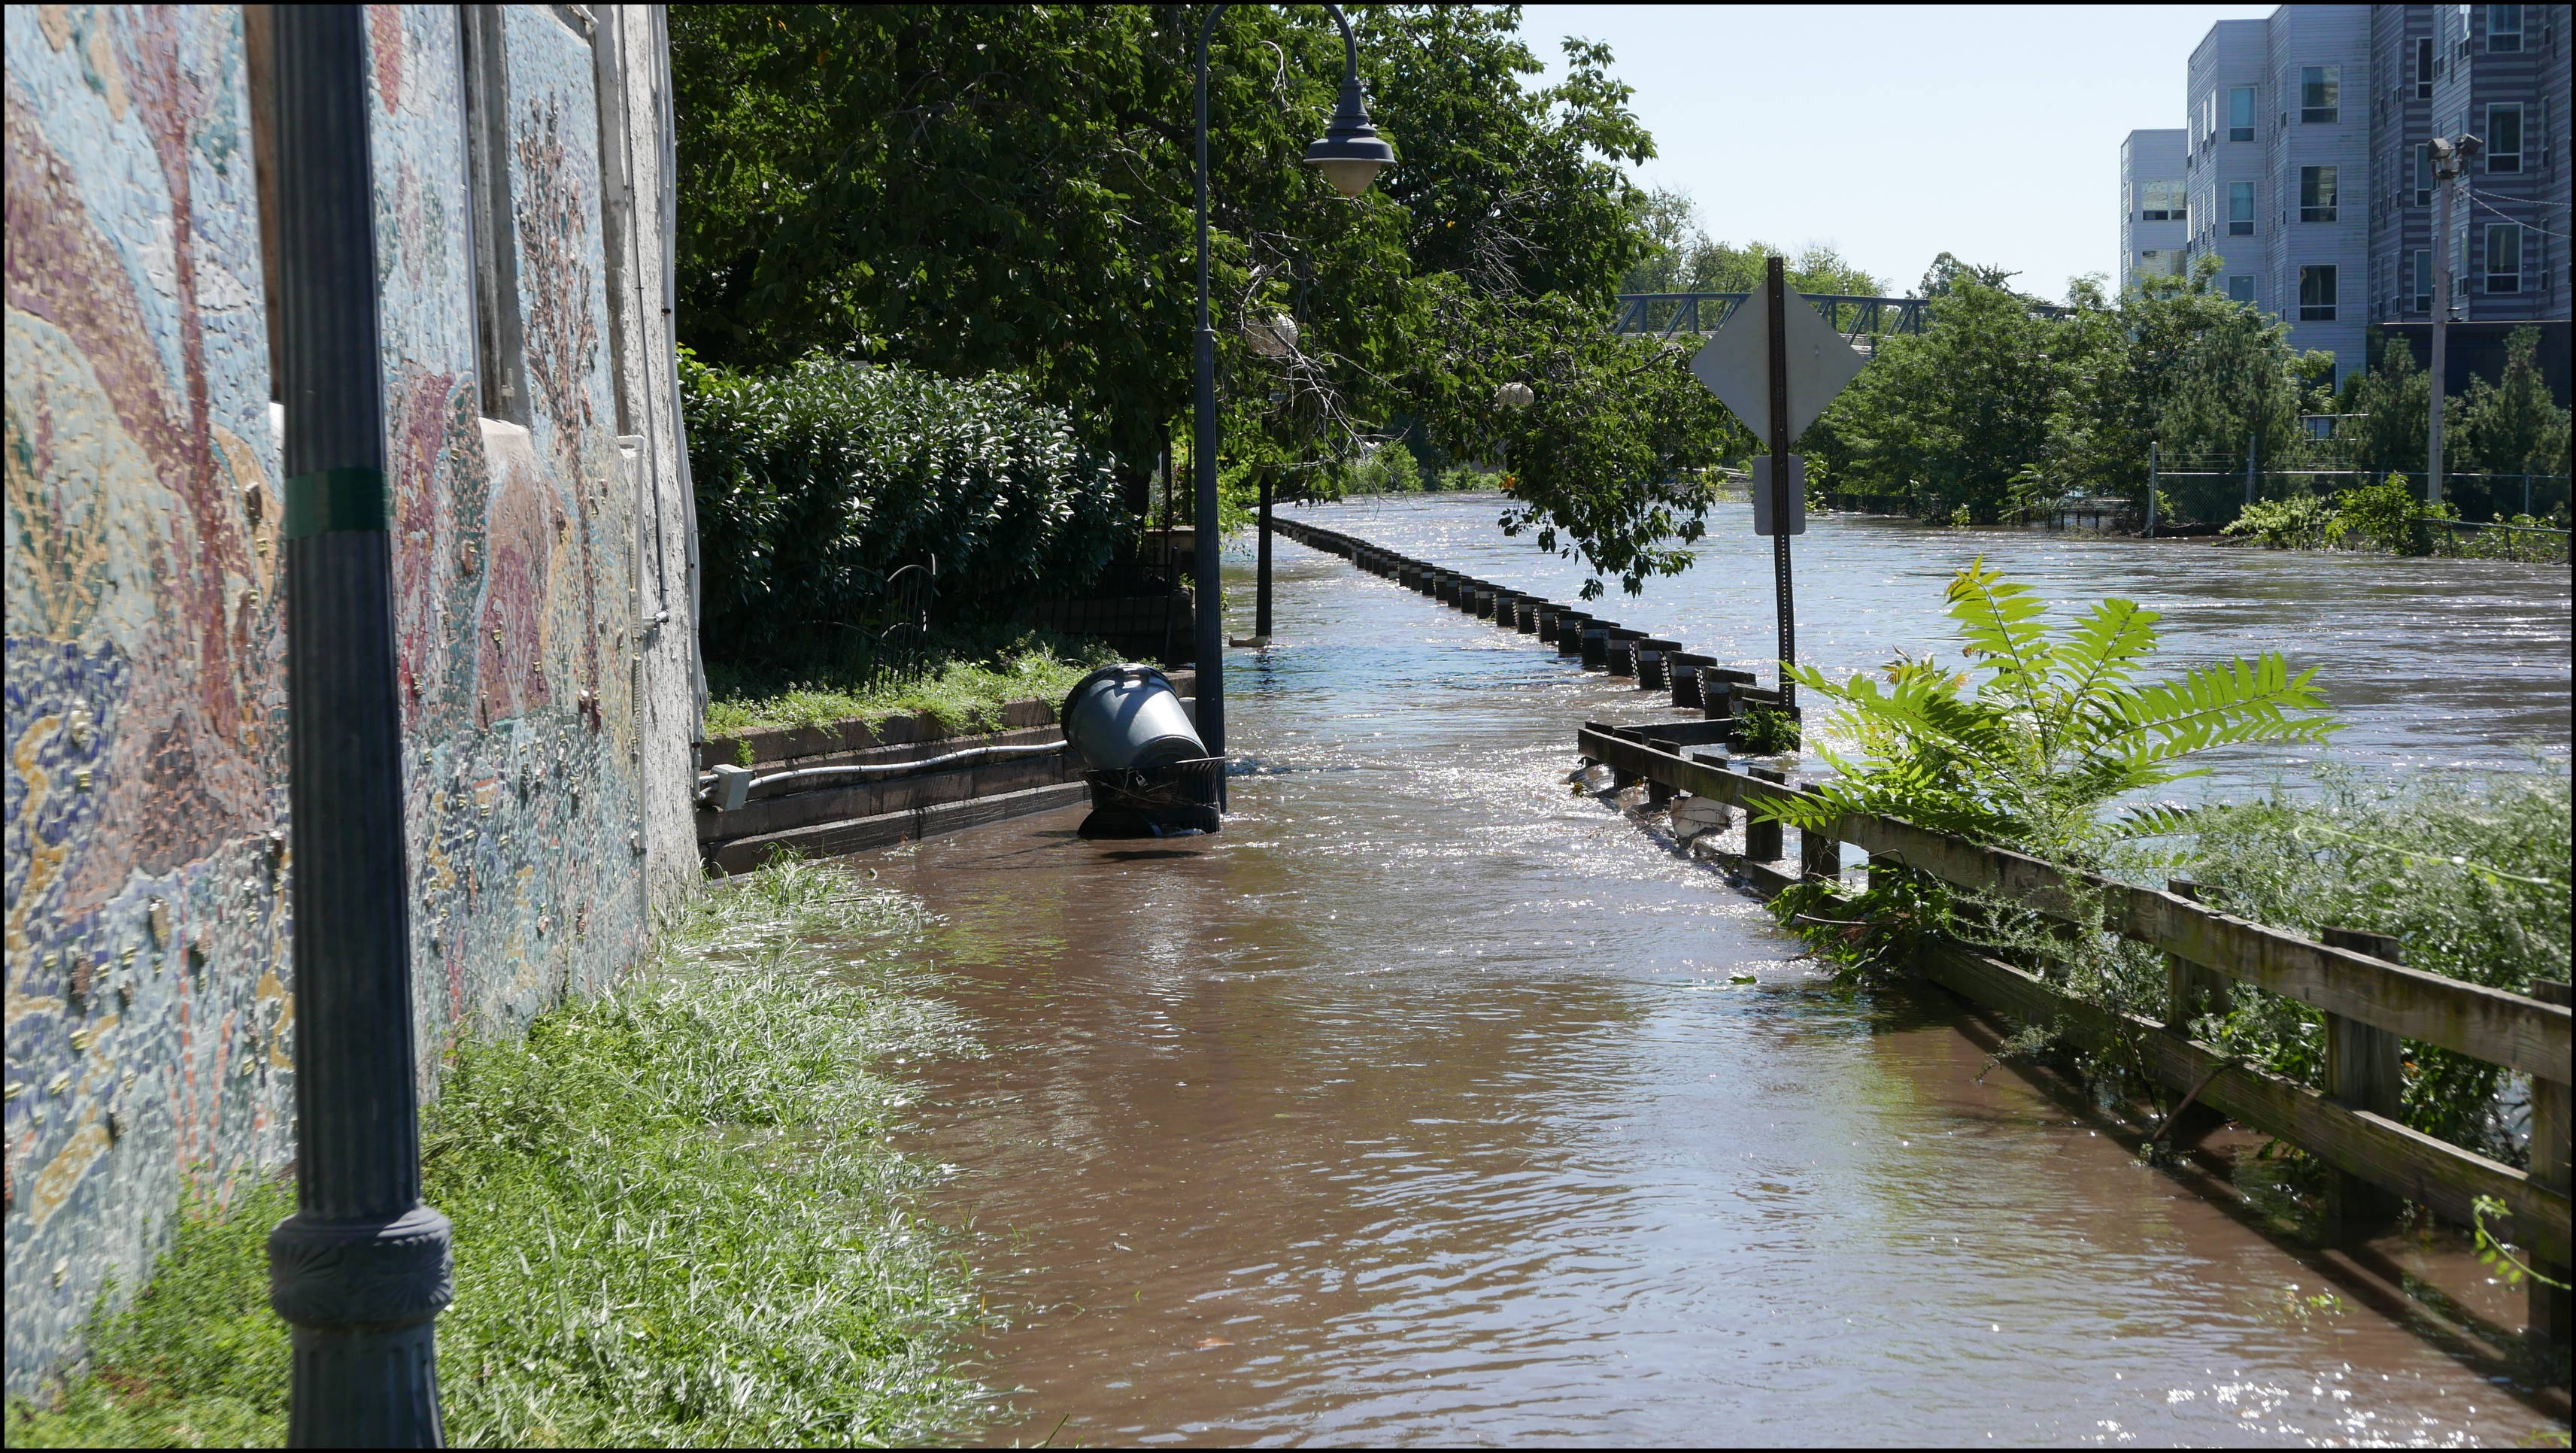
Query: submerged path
[(1431, 1102)]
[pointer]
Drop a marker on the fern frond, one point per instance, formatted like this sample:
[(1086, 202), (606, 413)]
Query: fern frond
[(2103, 647), (2156, 819), (2000, 620)]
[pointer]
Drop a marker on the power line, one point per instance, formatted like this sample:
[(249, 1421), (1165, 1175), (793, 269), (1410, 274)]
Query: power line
[(2480, 198)]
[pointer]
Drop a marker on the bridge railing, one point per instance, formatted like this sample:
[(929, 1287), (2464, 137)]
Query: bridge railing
[(1668, 314)]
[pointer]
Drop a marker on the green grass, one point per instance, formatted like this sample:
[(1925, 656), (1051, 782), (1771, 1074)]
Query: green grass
[(676, 1218), (963, 694)]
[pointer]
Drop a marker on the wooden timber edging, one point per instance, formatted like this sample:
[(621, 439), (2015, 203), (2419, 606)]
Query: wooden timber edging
[(850, 814), (2503, 1028), (891, 829)]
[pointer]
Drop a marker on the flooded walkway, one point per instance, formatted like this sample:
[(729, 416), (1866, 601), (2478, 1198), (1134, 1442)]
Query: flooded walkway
[(1433, 1103)]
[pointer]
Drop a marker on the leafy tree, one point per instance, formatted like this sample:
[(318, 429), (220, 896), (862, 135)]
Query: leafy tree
[(1949, 419), (2176, 365), (2235, 381), (1948, 272), (2513, 426), (1685, 259), (2393, 401), (969, 189)]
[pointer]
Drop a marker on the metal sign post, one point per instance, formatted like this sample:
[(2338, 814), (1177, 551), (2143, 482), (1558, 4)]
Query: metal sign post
[(1775, 365), (1775, 292)]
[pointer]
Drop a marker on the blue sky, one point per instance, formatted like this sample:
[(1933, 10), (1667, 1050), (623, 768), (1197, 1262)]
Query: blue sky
[(1894, 132)]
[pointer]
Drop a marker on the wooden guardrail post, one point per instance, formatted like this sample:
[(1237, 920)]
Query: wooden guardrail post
[(1596, 645), (1762, 834), (2548, 1320), (2190, 990), (1682, 667), (1570, 625), (2365, 1070), (1820, 856)]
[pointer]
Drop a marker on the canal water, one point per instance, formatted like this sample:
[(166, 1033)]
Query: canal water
[(1432, 1102)]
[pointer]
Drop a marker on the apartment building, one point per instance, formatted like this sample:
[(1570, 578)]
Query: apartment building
[(2151, 205), (2306, 172)]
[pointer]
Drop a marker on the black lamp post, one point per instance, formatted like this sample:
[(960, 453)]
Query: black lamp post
[(361, 1271), (1350, 156)]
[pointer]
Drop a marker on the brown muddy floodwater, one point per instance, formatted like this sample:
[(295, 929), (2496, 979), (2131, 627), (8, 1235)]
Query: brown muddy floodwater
[(1433, 1103)]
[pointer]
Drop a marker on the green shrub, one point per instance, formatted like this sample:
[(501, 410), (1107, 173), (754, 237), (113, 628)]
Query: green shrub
[(1765, 732), (2391, 516), (2057, 730), (1390, 468), (2301, 522), (2526, 544), (2468, 873), (817, 482)]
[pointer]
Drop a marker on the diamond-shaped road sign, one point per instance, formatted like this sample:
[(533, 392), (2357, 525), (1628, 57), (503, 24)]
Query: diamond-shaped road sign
[(1736, 364)]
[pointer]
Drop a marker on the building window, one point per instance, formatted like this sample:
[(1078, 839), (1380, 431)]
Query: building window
[(2240, 209), (2424, 69), (499, 332), (2504, 29), (2160, 201), (2208, 118), (2423, 174), (2240, 288), (2504, 257), (2320, 93), (2423, 280), (2240, 113), (2316, 194), (2316, 294), (2504, 137)]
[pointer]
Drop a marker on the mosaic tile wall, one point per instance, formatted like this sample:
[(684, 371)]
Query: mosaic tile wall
[(150, 986)]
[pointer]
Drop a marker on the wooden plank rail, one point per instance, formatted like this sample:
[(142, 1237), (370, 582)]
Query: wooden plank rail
[(2503, 1028), (2432, 1173), (2490, 1024)]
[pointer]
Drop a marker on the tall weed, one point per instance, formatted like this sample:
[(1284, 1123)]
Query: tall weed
[(2468, 873)]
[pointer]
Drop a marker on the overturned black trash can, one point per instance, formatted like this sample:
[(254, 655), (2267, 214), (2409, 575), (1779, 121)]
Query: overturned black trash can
[(1149, 773)]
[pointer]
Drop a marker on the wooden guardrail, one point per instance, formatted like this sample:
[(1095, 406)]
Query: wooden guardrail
[(2369, 1002), (2350, 987)]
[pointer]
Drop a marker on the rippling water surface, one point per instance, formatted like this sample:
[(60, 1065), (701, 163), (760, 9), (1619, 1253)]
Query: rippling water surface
[(1432, 1103)]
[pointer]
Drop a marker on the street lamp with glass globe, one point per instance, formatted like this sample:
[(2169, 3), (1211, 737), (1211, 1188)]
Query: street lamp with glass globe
[(1350, 155)]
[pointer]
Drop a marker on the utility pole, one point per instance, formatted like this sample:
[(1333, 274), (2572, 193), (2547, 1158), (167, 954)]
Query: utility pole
[(2450, 154), (361, 1270)]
